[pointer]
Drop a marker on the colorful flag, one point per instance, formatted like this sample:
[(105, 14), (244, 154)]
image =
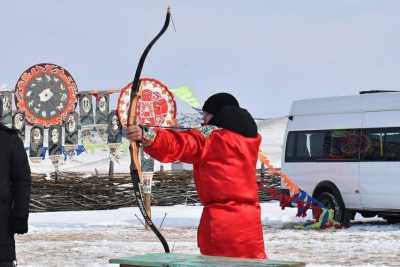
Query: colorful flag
[(185, 94)]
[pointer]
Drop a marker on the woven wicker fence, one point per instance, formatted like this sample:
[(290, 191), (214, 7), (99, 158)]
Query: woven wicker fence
[(82, 191)]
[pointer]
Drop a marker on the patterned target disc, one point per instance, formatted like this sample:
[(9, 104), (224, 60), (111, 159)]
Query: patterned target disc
[(46, 94), (156, 105)]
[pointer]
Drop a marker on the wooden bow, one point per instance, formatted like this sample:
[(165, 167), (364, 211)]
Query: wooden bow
[(135, 167)]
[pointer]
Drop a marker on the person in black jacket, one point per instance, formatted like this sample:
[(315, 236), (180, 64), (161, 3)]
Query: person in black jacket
[(15, 190)]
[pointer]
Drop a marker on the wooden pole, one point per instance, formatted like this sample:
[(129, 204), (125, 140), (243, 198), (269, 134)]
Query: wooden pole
[(147, 180), (111, 169), (147, 205)]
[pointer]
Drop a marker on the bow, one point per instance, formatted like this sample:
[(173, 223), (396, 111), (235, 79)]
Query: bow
[(135, 168)]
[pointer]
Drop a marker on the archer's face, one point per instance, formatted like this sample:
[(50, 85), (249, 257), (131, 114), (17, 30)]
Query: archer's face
[(207, 117)]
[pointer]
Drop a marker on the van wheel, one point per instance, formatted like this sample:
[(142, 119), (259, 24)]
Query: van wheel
[(332, 200)]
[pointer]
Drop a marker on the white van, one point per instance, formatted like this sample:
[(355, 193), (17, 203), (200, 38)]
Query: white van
[(345, 151)]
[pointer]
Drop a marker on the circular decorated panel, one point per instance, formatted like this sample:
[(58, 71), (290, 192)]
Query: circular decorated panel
[(155, 106), (46, 94)]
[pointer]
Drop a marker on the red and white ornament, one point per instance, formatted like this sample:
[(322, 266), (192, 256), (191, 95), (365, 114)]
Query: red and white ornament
[(46, 94), (156, 105)]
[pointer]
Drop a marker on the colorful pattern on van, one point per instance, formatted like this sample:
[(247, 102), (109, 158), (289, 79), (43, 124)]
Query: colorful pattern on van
[(324, 218)]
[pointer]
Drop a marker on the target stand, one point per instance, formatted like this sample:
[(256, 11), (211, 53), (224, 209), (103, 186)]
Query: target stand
[(56, 160), (70, 150)]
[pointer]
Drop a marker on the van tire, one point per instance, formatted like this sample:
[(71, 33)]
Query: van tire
[(331, 198)]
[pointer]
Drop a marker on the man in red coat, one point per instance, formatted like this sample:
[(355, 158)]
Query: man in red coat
[(224, 155)]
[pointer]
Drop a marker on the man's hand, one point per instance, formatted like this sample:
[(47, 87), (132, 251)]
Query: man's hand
[(135, 133)]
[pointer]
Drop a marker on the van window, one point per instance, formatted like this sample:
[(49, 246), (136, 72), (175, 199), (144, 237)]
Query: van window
[(374, 144), (318, 142), (381, 145), (392, 145), (344, 145), (302, 151), (372, 148), (290, 145), (324, 145), (308, 145)]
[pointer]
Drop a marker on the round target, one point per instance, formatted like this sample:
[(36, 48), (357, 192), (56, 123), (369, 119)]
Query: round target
[(155, 106), (46, 94)]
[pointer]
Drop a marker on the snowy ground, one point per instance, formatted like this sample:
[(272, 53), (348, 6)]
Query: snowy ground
[(91, 238)]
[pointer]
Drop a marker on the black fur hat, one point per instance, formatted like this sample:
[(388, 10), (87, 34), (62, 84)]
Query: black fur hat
[(236, 119), (217, 101)]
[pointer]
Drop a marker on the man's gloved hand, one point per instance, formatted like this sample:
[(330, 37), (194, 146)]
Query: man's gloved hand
[(18, 225)]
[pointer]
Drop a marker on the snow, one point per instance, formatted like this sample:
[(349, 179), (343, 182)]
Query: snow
[(272, 132), (176, 216), (91, 238), (85, 162)]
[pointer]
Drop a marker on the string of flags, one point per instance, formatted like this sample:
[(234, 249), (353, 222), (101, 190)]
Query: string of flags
[(296, 197)]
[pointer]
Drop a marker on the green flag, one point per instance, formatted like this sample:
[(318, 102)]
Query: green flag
[(185, 94)]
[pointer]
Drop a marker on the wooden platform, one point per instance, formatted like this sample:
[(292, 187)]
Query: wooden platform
[(188, 260)]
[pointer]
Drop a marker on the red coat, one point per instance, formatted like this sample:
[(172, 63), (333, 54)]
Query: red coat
[(224, 169)]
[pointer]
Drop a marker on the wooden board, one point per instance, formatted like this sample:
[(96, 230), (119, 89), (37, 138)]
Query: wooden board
[(188, 260)]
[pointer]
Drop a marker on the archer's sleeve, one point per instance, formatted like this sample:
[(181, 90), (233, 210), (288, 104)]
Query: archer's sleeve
[(21, 180), (171, 145)]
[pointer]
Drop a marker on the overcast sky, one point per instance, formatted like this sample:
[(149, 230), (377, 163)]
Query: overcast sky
[(266, 53)]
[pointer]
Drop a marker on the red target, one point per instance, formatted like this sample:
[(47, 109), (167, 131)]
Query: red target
[(155, 106)]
